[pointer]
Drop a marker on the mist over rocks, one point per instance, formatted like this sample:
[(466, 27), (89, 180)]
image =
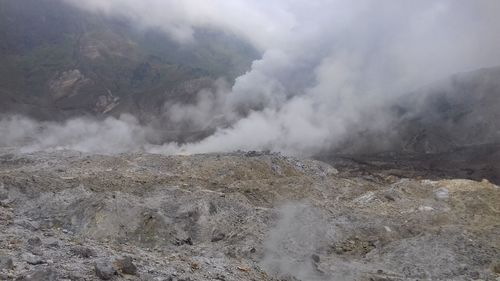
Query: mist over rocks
[(450, 114)]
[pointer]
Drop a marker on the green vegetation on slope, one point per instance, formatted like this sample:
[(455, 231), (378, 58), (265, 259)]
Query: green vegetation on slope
[(56, 58)]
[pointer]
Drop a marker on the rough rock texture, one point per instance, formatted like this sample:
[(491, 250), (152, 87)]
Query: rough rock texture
[(240, 216), (104, 270)]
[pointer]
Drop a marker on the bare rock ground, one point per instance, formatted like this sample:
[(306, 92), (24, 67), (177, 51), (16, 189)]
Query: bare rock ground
[(243, 216)]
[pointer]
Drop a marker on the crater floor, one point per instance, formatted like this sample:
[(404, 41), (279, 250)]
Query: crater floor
[(243, 216)]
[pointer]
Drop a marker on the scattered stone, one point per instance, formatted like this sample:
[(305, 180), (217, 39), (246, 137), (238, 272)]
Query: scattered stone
[(30, 225), (218, 237), (378, 278), (392, 195), (315, 258), (276, 168), (354, 246), (243, 268), (496, 268), (365, 198), (52, 242), (126, 266), (442, 193), (34, 242), (389, 197), (32, 259), (83, 252), (195, 266), (212, 210), (45, 274), (34, 246), (474, 275), (220, 277), (425, 208), (6, 263), (104, 270), (252, 153), (4, 194), (186, 241)]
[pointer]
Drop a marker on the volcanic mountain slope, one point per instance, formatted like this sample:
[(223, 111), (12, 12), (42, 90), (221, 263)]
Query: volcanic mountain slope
[(240, 216), (448, 129), (57, 61), (456, 112)]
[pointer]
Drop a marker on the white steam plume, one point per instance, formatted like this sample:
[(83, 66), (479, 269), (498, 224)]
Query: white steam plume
[(327, 66), (106, 136)]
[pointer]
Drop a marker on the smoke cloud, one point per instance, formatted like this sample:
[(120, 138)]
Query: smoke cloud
[(329, 68)]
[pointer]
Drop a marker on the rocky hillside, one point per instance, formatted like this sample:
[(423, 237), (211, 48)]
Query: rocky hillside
[(241, 216), (460, 111), (455, 112), (57, 61), (448, 129)]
